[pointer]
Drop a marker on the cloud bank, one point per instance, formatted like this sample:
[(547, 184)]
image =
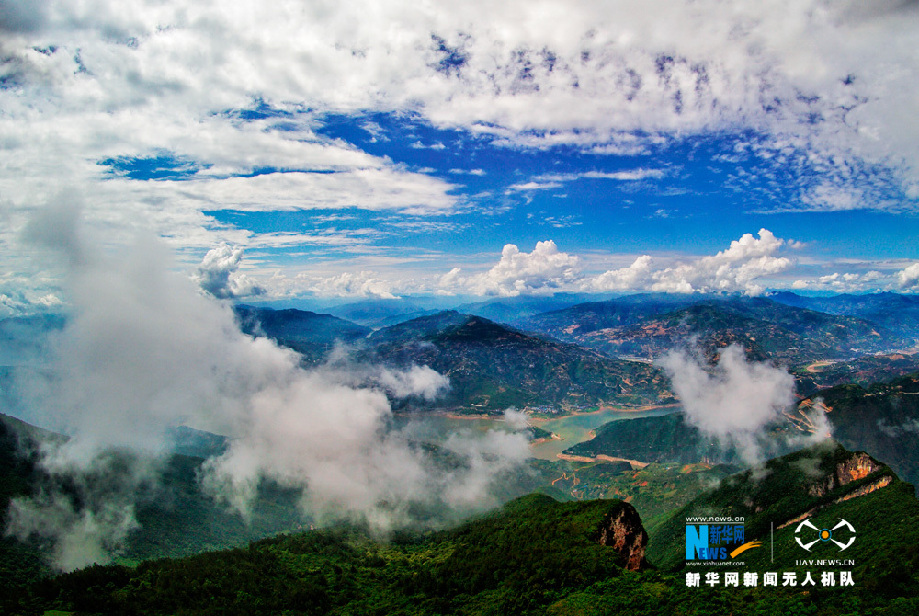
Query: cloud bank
[(144, 351), (739, 268), (908, 277), (172, 115)]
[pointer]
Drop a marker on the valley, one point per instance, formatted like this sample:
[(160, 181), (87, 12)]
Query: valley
[(567, 419)]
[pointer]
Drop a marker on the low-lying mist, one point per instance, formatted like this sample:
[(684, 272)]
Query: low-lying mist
[(145, 350), (737, 401)]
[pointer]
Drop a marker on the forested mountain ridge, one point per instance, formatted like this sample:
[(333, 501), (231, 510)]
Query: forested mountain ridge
[(492, 366), (538, 556), (650, 327)]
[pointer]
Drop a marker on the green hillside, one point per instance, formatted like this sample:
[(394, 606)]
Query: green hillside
[(539, 556), (310, 334), (19, 562), (491, 366), (896, 311), (863, 371), (176, 518), (667, 438), (655, 490), (882, 419), (575, 321), (517, 560)]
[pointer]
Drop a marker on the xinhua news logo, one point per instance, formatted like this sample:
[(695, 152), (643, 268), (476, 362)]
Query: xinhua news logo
[(716, 538)]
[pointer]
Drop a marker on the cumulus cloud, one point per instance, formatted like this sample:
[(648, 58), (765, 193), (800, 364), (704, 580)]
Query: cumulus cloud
[(841, 283), (144, 351), (347, 284), (737, 268), (17, 299), (218, 274), (734, 401), (636, 276), (543, 271), (908, 277)]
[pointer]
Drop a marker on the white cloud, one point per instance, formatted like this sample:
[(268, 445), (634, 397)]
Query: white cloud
[(909, 277), (346, 284), (418, 380), (543, 271), (836, 79), (843, 283), (417, 145), (533, 186), (735, 401), (218, 274), (378, 188), (742, 267), (476, 172), (18, 301), (628, 175), (556, 180), (738, 268), (144, 351), (86, 82), (636, 276)]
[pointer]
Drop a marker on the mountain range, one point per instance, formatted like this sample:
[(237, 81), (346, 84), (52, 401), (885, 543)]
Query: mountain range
[(605, 536), (492, 366), (310, 334), (896, 312), (651, 325)]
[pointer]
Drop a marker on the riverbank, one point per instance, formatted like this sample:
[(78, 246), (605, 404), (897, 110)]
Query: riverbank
[(636, 464)]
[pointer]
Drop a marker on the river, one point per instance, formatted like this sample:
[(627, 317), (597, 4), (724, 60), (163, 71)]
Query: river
[(571, 428)]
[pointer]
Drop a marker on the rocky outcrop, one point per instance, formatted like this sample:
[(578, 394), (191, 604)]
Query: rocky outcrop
[(881, 482), (855, 467), (866, 489), (622, 530)]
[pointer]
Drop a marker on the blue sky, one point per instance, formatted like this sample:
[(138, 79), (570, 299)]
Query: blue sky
[(369, 150)]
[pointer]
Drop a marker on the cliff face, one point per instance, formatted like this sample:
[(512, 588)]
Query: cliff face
[(622, 531), (858, 466)]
